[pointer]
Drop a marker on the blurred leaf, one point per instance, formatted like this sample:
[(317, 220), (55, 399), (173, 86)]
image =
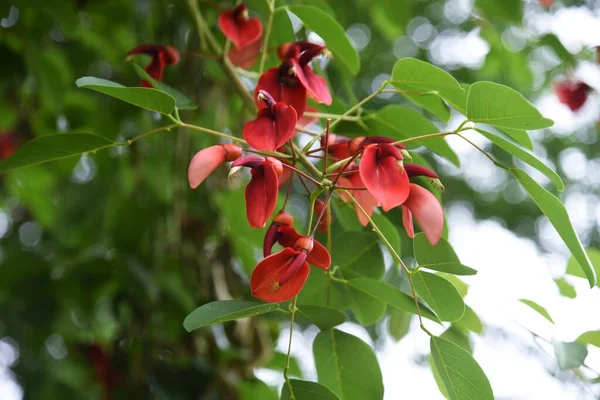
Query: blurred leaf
[(54, 147), (278, 362), (460, 286), (556, 213), (323, 317), (432, 103), (459, 338), (182, 102), (255, 389), (305, 390), (574, 268), (565, 288), (441, 295), (347, 366), (462, 376), (368, 310), (454, 268), (569, 354), (499, 105), (509, 10), (388, 229), (524, 155), (415, 75), (332, 33), (589, 337), (555, 44), (217, 312), (402, 123), (540, 310), (368, 261), (520, 136), (149, 99), (469, 321), (390, 295), (399, 323), (440, 257)]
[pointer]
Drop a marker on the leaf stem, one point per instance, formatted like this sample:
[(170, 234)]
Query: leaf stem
[(150, 132), (289, 351), (321, 115), (263, 57)]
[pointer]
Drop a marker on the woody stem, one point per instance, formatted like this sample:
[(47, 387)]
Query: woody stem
[(396, 256)]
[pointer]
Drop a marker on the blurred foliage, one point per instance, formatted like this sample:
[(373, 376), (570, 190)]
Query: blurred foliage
[(103, 255)]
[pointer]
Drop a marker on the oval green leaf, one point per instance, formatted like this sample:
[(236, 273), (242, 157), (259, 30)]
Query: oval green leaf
[(520, 136), (524, 155), (390, 295), (147, 98), (368, 310), (182, 102), (565, 288), (416, 75), (54, 147), (462, 376), (347, 366), (440, 257), (469, 322), (400, 122), (569, 354), (217, 312), (556, 213), (539, 309), (499, 105), (441, 295), (454, 268), (573, 267), (305, 390), (368, 261), (589, 337), (332, 33), (430, 102), (323, 317)]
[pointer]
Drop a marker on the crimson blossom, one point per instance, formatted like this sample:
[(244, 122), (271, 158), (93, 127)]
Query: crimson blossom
[(273, 126), (161, 57), (572, 93), (245, 34)]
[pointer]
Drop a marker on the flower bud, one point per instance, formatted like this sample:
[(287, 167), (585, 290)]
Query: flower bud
[(304, 243)]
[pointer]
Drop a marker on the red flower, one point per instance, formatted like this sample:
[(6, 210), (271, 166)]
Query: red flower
[(572, 93), (428, 212), (245, 57), (281, 276), (8, 145), (273, 126), (261, 191), (338, 146), (293, 80), (383, 175), (364, 198), (161, 57), (208, 159), (282, 232), (546, 3), (238, 27)]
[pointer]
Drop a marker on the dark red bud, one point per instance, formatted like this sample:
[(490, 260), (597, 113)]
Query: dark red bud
[(284, 218), (276, 164), (305, 243), (233, 152)]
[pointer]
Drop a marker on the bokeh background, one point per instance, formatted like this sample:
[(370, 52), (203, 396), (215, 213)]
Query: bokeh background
[(102, 256)]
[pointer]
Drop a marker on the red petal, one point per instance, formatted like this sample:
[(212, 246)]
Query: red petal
[(261, 195), (269, 82), (407, 221), (428, 212), (316, 85), (295, 96), (268, 131), (151, 49), (204, 163), (242, 32), (366, 200), (286, 174), (265, 278), (245, 57), (306, 121), (383, 177), (288, 92), (319, 256)]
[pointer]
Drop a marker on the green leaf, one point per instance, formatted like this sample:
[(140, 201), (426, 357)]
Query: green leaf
[(524, 155), (461, 287), (332, 33), (54, 147), (509, 10), (432, 103), (574, 268), (182, 102), (255, 389), (520, 136), (463, 378), (535, 306), (305, 390), (441, 295), (323, 317), (399, 323), (569, 354), (565, 288), (451, 268), (554, 42), (589, 337), (499, 105), (149, 99), (217, 312), (556, 213), (458, 337), (457, 98), (368, 310), (358, 253), (388, 229), (440, 257), (347, 366), (400, 122), (469, 322), (416, 75), (390, 295)]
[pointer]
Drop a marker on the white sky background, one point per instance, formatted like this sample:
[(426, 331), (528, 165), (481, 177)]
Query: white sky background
[(509, 268)]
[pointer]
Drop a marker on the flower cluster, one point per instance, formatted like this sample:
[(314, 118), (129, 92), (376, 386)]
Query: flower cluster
[(369, 171)]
